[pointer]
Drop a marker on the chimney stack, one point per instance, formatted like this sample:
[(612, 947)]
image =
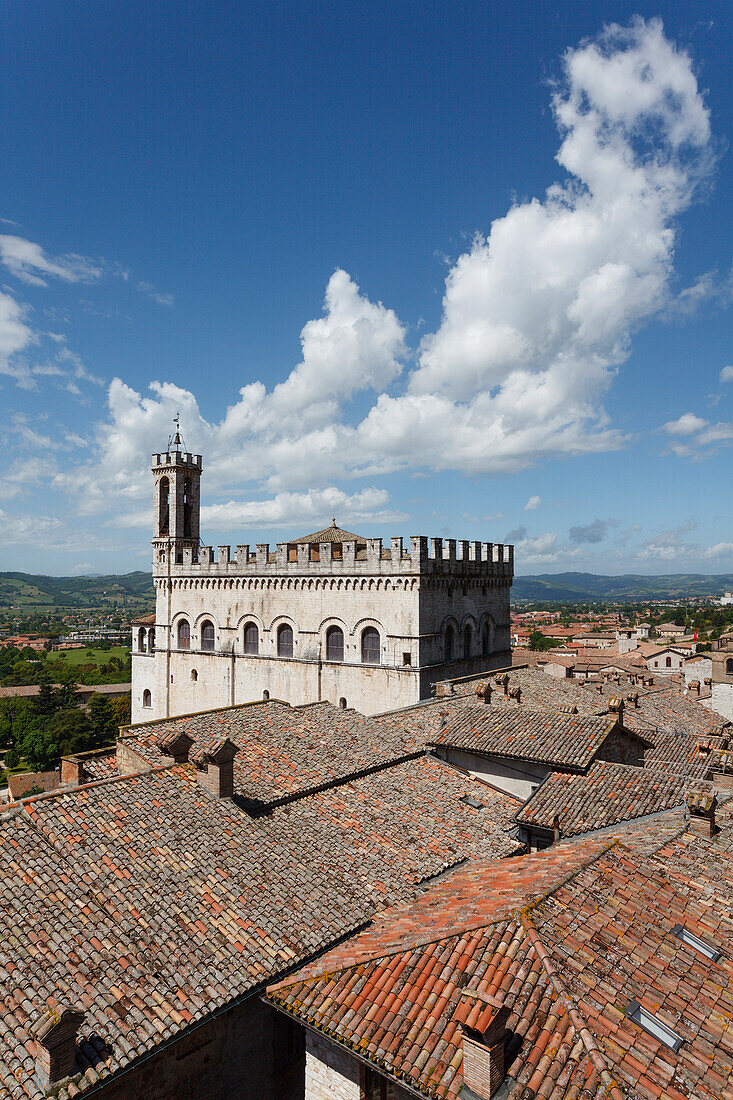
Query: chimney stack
[(72, 771), (515, 692), (175, 747), (483, 693), (55, 1039), (483, 1022), (503, 681), (616, 706), (556, 834), (215, 767), (701, 806)]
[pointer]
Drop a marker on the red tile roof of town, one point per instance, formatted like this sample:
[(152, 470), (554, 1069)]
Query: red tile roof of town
[(285, 751), (606, 795), (566, 740), (597, 936), (150, 904)]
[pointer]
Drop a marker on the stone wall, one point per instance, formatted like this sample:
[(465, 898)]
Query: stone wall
[(230, 1055), (330, 1073)]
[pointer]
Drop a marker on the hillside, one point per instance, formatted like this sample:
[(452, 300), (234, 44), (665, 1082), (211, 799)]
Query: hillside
[(630, 586), (133, 591), (25, 592)]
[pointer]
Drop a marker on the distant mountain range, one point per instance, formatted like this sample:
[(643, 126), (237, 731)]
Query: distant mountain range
[(28, 592), (630, 587)]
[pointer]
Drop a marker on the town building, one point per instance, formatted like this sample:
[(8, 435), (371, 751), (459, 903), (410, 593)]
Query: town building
[(722, 677), (329, 616)]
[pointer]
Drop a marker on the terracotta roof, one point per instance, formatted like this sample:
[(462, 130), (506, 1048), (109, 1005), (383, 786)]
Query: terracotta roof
[(22, 782), (666, 715), (144, 620), (569, 740), (332, 534), (285, 751), (607, 795), (598, 938), (149, 904)]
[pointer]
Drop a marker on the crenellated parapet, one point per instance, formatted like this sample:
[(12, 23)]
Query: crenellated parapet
[(372, 556)]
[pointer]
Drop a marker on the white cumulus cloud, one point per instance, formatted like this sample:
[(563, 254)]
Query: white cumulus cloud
[(532, 503)]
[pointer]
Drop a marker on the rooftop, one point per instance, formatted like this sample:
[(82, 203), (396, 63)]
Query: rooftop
[(284, 751), (606, 795), (569, 954), (565, 740)]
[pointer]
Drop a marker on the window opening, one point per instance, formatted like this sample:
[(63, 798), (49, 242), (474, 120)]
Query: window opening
[(147, 698), (334, 644), (141, 641), (151, 640), (694, 941), (471, 801), (285, 640), (342, 703), (370, 646), (207, 636), (187, 508), (265, 695), (653, 1025), (467, 641), (163, 508), (184, 634), (194, 675), (251, 639), (406, 658), (449, 643)]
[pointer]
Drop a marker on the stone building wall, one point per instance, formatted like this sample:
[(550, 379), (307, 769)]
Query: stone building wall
[(330, 1073), (229, 1055)]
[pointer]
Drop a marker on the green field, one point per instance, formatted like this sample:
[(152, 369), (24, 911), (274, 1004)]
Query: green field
[(73, 657)]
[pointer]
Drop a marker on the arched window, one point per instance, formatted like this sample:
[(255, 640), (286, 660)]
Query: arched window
[(184, 634), (334, 644), (729, 667), (485, 640), (147, 698), (370, 646), (667, 662), (194, 675), (449, 643), (207, 636), (251, 639), (163, 522), (265, 695), (342, 703), (285, 640), (141, 640), (467, 636), (151, 640)]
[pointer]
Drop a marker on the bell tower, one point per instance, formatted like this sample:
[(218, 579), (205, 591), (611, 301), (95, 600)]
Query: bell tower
[(177, 504)]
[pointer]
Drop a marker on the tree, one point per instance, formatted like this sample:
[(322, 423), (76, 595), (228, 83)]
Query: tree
[(538, 641)]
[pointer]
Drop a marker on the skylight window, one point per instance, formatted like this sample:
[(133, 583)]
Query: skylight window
[(694, 941), (471, 801), (651, 1023)]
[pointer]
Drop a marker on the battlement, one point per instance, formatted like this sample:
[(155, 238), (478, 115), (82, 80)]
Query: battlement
[(176, 458), (434, 555)]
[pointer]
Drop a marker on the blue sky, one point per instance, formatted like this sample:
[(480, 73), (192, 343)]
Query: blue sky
[(443, 268)]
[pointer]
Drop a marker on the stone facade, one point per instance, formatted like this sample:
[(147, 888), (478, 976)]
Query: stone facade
[(722, 674), (234, 627)]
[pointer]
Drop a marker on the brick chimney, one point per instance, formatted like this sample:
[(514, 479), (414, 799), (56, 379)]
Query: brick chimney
[(515, 692), (503, 682), (483, 693), (215, 767), (55, 1040), (175, 746), (556, 832), (483, 1023), (701, 806), (616, 706), (72, 771)]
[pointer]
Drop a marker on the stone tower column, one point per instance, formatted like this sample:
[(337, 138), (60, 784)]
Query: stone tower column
[(177, 506)]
